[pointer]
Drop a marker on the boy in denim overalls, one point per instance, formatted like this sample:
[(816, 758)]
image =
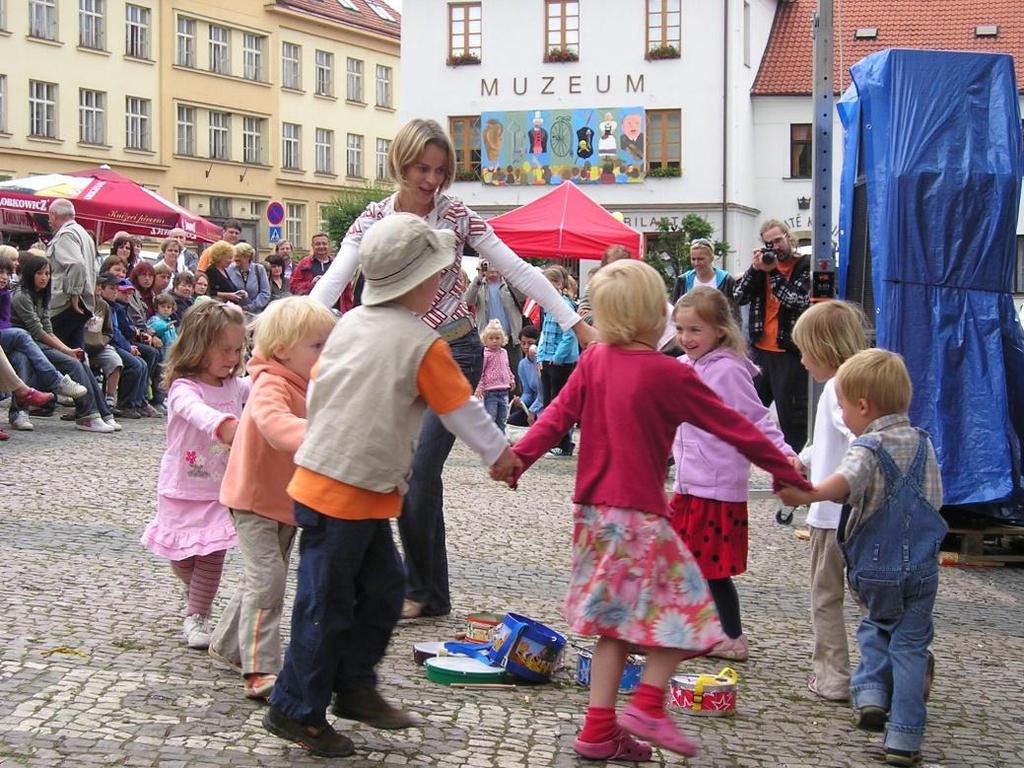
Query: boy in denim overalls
[(890, 536)]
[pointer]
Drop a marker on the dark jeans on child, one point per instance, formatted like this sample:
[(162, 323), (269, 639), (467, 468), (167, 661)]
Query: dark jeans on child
[(892, 568), (421, 525), (347, 602), (553, 377), (69, 326)]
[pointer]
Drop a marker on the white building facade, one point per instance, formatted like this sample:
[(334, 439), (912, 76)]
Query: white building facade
[(743, 154)]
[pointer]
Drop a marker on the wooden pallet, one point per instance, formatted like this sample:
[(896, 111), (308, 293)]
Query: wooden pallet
[(973, 549)]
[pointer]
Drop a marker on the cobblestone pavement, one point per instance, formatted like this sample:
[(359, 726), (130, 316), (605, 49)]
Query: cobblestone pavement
[(93, 670)]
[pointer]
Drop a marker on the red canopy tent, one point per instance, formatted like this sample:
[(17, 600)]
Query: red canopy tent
[(105, 202), (564, 223)]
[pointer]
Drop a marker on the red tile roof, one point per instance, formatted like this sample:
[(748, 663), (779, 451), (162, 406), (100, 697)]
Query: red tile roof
[(787, 65), (364, 18)]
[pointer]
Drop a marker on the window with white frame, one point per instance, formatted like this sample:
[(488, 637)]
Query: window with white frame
[(383, 86), (348, 4), (354, 156), (291, 146), (324, 73), (186, 144), (136, 31), (91, 26), (186, 42), (136, 122), (92, 122), (252, 56), (383, 147), (380, 10), (42, 109), (220, 136), (291, 66), (252, 140), (354, 79), (42, 19), (294, 215), (324, 150), (220, 50), (3, 102)]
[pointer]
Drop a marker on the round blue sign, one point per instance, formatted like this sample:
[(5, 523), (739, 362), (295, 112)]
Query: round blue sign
[(275, 212)]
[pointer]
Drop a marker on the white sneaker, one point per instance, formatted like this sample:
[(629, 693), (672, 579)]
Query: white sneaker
[(197, 631), (109, 421), (21, 422), (67, 402), (70, 388), (94, 424)]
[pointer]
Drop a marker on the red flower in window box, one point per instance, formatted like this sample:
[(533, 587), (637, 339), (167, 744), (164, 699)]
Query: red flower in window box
[(663, 52), (561, 55), (463, 59)]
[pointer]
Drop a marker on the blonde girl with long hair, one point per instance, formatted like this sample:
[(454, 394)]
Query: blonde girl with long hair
[(709, 508), (205, 397), (633, 580)]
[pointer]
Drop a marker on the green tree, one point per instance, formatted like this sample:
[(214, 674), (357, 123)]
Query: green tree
[(669, 251), (346, 207)]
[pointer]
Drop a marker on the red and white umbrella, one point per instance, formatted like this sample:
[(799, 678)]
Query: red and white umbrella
[(105, 202)]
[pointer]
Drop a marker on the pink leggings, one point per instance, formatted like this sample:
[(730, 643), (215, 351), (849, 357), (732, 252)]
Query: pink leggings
[(201, 575)]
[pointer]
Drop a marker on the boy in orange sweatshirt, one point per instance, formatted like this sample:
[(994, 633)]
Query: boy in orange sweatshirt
[(289, 336)]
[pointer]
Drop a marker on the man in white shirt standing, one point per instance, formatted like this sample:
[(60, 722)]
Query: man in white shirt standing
[(72, 257)]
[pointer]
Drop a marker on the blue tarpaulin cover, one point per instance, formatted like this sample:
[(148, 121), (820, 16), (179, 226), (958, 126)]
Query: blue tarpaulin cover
[(940, 134)]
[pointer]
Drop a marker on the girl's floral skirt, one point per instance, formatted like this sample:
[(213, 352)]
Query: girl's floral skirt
[(633, 579)]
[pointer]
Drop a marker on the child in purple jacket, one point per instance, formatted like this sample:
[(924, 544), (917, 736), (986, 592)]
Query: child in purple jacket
[(709, 508)]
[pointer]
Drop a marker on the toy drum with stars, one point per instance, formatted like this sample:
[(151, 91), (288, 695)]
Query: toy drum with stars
[(710, 695)]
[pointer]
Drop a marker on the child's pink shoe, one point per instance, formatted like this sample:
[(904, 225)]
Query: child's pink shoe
[(661, 730), (621, 747)]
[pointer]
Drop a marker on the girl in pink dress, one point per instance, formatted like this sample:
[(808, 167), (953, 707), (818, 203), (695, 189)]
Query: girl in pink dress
[(496, 380), (633, 580), (192, 528)]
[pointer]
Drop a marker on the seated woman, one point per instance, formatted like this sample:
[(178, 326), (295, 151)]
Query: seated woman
[(251, 277), (277, 263), (221, 254), (22, 394), (30, 309), (142, 304)]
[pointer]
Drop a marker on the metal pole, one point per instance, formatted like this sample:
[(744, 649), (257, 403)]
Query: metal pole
[(823, 257)]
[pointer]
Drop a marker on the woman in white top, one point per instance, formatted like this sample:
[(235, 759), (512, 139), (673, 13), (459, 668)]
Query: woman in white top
[(422, 162)]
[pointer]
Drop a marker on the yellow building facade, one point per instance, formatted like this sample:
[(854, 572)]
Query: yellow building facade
[(222, 105)]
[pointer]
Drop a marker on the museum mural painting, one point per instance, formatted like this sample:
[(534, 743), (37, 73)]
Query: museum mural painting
[(549, 146)]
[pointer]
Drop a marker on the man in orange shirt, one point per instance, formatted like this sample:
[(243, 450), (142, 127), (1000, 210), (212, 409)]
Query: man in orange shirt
[(380, 370), (777, 286)]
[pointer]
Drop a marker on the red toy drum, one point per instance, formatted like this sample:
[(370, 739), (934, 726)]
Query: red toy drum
[(710, 695)]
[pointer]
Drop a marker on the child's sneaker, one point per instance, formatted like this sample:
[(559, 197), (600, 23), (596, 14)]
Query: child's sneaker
[(901, 757), (732, 649), (21, 422), (196, 629), (68, 387), (366, 705), (871, 718), (318, 740), (94, 424), (109, 421), (259, 686)]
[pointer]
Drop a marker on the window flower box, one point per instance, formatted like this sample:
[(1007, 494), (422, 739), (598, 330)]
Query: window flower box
[(463, 59), (664, 172), (663, 52), (560, 56), (465, 174)]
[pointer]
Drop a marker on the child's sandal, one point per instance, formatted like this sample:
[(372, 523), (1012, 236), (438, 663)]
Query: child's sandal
[(621, 747)]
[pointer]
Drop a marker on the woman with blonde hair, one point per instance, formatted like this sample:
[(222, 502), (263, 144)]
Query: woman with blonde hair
[(421, 161), (250, 277), (220, 255)]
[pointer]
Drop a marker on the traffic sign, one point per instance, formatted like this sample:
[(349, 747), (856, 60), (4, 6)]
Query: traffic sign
[(274, 234), (275, 214)]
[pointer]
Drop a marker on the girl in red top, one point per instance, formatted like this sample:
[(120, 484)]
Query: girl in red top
[(633, 580)]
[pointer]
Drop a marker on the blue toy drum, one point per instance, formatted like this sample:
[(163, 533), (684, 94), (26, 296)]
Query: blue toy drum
[(630, 675), (526, 648)]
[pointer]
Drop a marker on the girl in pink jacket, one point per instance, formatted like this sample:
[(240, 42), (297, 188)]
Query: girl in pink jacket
[(709, 508)]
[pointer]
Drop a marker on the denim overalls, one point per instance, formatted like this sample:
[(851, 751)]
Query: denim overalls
[(892, 567)]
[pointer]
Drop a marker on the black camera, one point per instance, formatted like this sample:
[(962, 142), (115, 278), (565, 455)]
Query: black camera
[(768, 254)]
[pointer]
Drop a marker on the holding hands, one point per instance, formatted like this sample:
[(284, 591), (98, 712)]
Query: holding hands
[(507, 468)]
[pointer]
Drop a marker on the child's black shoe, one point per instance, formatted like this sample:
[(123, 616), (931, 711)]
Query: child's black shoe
[(322, 740), (901, 757), (871, 718), (366, 705)]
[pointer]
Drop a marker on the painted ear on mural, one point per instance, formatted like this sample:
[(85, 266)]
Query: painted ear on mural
[(493, 134)]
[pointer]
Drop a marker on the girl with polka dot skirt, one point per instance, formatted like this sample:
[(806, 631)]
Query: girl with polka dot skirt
[(709, 508)]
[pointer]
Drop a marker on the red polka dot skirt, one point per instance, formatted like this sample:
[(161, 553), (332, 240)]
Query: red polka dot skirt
[(715, 532)]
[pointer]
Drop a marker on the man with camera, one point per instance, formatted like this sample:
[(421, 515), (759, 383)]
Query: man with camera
[(777, 286), (494, 300)]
